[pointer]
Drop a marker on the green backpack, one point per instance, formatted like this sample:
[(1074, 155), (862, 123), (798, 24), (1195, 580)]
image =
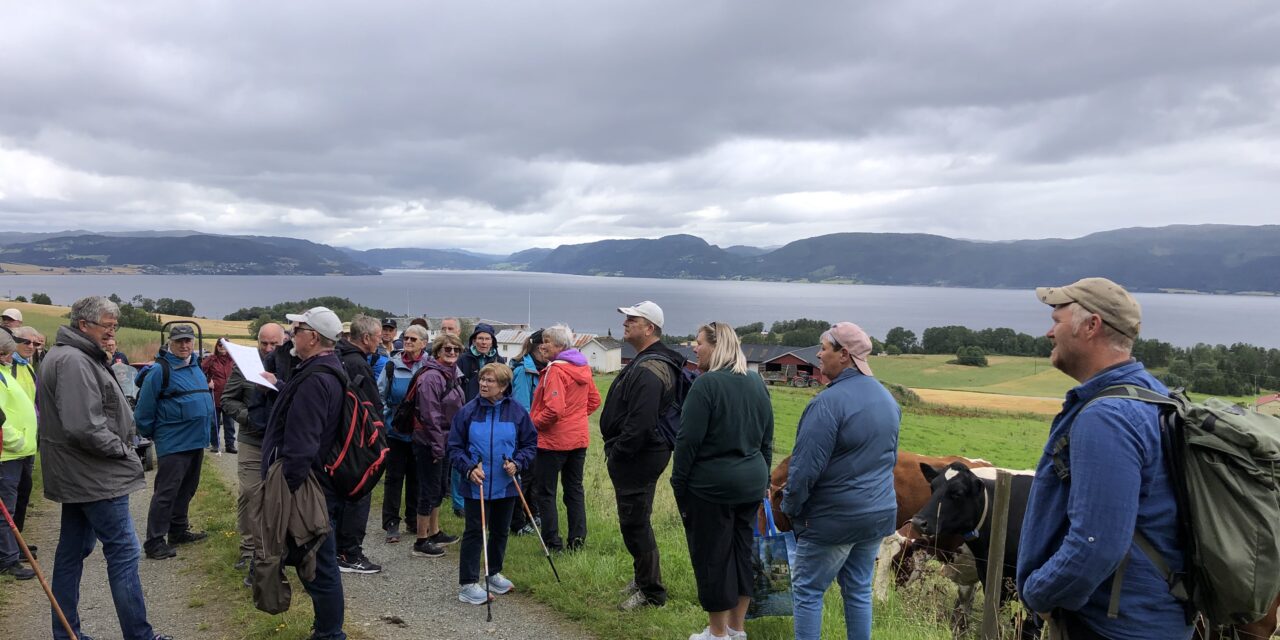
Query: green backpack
[(1225, 462)]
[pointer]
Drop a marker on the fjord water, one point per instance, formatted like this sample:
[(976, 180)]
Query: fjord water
[(589, 303)]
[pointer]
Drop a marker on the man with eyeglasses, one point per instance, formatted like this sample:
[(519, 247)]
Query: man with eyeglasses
[(24, 372), (247, 403), (90, 467)]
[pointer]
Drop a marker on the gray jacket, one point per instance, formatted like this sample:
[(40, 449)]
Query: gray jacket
[(86, 425)]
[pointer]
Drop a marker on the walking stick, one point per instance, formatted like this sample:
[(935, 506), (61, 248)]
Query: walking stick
[(484, 550), (534, 522), (39, 574)]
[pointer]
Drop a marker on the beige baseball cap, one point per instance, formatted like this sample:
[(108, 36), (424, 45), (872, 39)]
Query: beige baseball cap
[(1109, 300), (12, 314)]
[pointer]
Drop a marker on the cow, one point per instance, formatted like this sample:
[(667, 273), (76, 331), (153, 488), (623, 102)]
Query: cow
[(960, 506)]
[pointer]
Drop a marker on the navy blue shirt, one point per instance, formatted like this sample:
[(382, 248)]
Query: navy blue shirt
[(1075, 534)]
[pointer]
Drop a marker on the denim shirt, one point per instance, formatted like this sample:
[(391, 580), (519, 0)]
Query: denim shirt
[(1075, 533)]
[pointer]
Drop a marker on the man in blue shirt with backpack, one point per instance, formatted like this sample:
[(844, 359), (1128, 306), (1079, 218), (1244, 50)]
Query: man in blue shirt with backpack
[(1101, 481)]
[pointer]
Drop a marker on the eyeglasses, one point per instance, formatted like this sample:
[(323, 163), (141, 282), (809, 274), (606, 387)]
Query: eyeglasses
[(108, 327), (450, 349), (488, 381)]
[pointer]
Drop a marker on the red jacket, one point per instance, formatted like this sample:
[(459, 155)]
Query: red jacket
[(565, 397), (217, 368)]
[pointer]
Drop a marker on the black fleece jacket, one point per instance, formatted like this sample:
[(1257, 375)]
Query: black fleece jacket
[(356, 364), (630, 417)]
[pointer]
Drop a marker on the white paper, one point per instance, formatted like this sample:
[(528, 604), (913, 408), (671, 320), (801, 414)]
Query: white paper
[(249, 361)]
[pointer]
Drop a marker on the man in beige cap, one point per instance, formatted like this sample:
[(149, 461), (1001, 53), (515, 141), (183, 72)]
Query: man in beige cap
[(1102, 487), (10, 319)]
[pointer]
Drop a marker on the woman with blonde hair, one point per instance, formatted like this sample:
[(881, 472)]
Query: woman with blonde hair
[(720, 474)]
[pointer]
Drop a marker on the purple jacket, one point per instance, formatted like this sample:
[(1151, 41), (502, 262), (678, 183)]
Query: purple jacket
[(439, 397)]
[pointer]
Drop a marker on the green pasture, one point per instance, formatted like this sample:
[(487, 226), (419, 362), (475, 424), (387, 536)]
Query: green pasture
[(139, 345), (1010, 375)]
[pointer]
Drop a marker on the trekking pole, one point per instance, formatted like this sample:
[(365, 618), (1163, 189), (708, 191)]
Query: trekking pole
[(484, 549), (39, 574), (534, 522)]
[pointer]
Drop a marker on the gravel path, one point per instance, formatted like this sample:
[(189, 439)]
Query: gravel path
[(412, 597)]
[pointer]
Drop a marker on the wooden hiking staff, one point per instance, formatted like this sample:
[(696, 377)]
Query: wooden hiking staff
[(39, 574)]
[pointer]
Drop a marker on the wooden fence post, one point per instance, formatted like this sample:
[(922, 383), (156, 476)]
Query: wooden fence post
[(995, 556)]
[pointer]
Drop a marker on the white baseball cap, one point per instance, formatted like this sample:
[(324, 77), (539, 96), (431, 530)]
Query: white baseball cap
[(12, 314), (647, 310), (324, 321)]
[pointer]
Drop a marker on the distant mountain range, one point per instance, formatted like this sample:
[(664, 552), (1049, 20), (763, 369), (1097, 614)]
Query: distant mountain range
[(1206, 258)]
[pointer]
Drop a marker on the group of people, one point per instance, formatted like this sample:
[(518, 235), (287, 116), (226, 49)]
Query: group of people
[(462, 421)]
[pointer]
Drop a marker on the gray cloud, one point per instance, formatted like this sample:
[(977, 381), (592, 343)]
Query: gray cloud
[(499, 127)]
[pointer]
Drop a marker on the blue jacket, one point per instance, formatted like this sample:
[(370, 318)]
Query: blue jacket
[(484, 431), (524, 381), (840, 485), (179, 419), (393, 389), (1075, 534)]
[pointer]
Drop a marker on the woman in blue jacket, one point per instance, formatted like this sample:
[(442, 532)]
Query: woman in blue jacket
[(492, 439), (176, 412), (393, 383), (839, 491)]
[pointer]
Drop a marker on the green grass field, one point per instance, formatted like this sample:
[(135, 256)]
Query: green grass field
[(1012, 375)]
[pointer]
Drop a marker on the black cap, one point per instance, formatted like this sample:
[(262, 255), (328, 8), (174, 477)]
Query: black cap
[(181, 331), (389, 322)]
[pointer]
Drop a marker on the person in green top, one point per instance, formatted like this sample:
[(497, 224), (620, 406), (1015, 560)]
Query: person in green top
[(720, 475)]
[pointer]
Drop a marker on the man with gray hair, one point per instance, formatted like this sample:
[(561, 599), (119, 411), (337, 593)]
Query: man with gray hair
[(359, 354), (90, 467), (248, 404)]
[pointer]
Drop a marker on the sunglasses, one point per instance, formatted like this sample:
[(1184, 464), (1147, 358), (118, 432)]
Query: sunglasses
[(21, 340), (450, 349), (411, 339)]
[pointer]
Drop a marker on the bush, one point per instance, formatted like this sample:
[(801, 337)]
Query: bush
[(971, 357), (41, 298), (20, 299), (905, 396), (893, 350), (345, 309), (135, 318)]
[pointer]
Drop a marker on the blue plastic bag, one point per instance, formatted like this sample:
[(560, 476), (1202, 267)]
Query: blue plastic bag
[(772, 556)]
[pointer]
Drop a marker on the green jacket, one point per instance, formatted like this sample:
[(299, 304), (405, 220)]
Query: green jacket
[(19, 428), (725, 446)]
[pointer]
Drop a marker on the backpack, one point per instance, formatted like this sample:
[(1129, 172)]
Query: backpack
[(357, 457), (166, 372), (405, 419), (1225, 464), (668, 425)]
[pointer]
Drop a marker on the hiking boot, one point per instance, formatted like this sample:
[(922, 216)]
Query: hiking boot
[(357, 563), (499, 584), (631, 588), (425, 549), (472, 594), (232, 450), (576, 544), (18, 571), (526, 530), (188, 536), (213, 450), (637, 600), (243, 563), (160, 550), (393, 534), (33, 549), (442, 539)]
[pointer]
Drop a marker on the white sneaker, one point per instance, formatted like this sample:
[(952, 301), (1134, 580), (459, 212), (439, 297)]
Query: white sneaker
[(706, 635), (472, 594), (734, 633), (499, 584)]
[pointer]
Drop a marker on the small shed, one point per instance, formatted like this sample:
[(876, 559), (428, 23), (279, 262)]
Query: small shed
[(603, 354), (1269, 405)]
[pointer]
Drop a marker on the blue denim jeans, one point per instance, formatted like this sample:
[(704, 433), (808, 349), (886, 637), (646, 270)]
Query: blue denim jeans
[(83, 525), (325, 588), (815, 567)]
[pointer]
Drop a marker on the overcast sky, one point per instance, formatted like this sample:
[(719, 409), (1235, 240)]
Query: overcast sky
[(499, 126)]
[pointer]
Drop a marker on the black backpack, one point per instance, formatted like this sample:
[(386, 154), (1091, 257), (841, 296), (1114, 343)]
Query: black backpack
[(668, 425), (166, 372), (357, 457)]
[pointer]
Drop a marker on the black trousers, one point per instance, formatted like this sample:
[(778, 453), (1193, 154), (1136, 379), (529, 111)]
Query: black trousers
[(719, 537), (430, 472), (565, 467), (401, 479), (635, 481), (352, 517), (518, 519), (177, 478), (24, 492), (497, 515)]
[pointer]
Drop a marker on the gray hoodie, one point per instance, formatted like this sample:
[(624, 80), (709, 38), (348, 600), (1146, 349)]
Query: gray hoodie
[(86, 425)]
